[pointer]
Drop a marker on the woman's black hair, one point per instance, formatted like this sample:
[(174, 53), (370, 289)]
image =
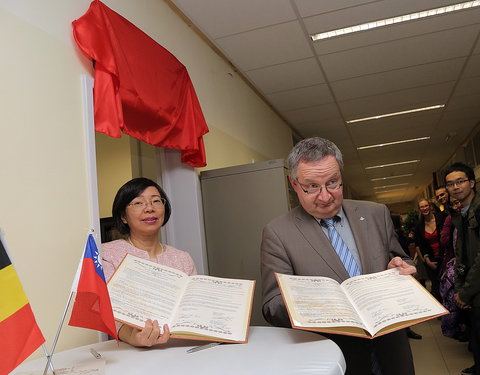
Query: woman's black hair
[(128, 192)]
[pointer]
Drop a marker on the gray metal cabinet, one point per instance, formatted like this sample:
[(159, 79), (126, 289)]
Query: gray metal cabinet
[(237, 203)]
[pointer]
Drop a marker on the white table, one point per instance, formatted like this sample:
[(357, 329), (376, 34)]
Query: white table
[(269, 351)]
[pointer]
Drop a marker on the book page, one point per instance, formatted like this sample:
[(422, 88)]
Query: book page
[(385, 298), (215, 307), (317, 302), (141, 289)]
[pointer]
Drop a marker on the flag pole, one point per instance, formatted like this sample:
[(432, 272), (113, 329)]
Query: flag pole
[(59, 329), (44, 347)]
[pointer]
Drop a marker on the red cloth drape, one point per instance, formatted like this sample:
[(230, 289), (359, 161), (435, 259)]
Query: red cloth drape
[(140, 89)]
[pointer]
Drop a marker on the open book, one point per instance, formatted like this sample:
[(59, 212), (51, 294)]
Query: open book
[(365, 306), (195, 307)]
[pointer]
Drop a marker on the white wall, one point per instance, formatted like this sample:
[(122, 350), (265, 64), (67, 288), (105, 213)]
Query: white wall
[(43, 192)]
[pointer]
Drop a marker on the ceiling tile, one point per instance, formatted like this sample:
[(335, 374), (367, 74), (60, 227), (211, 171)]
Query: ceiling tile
[(301, 98), (334, 130), (395, 80), (268, 46), (319, 114), (379, 131), (473, 67), (469, 104), (476, 51), (468, 86), (314, 7), (399, 54), (396, 101), (232, 16), (373, 11), (287, 76)]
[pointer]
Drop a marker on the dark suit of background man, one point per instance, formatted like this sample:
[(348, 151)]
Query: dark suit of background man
[(297, 244), (460, 182)]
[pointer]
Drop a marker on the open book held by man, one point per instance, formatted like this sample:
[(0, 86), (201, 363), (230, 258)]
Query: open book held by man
[(365, 306)]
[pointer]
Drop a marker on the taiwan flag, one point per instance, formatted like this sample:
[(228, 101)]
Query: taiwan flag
[(19, 332), (92, 308)]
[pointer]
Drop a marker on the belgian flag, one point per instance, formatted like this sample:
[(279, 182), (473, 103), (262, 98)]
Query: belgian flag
[(19, 332)]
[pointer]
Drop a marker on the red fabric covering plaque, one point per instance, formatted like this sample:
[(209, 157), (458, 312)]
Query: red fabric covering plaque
[(140, 89)]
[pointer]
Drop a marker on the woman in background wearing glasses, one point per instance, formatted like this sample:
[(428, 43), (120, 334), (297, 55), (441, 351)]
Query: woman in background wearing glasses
[(139, 210)]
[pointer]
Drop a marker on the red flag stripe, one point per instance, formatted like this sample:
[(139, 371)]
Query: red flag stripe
[(20, 337)]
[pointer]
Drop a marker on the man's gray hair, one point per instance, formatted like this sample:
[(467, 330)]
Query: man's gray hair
[(312, 150)]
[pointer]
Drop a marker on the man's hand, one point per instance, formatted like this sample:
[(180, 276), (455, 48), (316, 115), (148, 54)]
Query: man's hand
[(405, 268), (460, 303)]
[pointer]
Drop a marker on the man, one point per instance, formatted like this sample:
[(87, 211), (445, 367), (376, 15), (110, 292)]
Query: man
[(441, 195), (460, 182), (297, 243)]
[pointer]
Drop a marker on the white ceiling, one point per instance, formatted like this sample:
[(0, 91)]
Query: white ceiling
[(318, 86)]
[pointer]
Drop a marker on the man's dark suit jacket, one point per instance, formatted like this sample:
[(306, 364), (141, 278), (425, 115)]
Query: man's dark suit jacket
[(296, 244)]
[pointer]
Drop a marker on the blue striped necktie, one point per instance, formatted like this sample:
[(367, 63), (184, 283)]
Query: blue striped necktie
[(341, 248), (352, 268)]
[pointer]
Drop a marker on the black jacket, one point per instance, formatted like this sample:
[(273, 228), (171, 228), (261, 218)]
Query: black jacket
[(420, 240)]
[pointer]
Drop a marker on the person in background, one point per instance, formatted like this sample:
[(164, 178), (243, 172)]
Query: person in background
[(460, 182), (404, 243), (448, 236), (298, 243), (441, 195), (453, 324), (427, 240), (418, 260), (140, 209)]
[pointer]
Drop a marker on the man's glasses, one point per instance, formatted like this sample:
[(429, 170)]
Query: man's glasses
[(459, 182), (315, 189), (141, 205)]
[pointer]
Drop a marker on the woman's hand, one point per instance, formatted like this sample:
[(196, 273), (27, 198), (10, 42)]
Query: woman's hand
[(148, 336), (432, 265)]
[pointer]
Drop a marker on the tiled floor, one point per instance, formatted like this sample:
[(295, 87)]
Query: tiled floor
[(436, 354)]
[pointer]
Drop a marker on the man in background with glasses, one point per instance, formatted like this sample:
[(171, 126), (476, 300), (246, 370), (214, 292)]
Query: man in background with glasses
[(460, 182), (306, 242), (441, 196)]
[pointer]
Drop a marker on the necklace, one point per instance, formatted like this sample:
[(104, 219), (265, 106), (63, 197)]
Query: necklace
[(162, 246)]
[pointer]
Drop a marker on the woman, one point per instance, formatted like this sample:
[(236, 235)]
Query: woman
[(427, 240), (453, 324), (139, 210), (448, 235)]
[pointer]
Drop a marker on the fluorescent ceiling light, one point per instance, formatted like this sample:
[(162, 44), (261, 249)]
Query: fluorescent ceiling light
[(396, 113), (388, 186), (394, 143), (394, 20), (393, 164), (389, 177)]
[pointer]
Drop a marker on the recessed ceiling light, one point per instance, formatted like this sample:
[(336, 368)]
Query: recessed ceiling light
[(393, 164), (389, 177), (394, 20), (388, 186), (377, 117), (394, 143)]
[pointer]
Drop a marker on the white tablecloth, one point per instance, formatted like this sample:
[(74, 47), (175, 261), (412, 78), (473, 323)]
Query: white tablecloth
[(269, 351)]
